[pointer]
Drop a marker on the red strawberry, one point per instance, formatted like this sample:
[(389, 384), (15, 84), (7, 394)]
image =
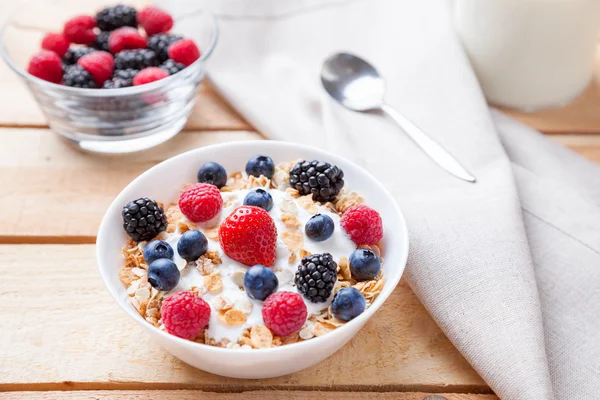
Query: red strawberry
[(249, 236), (46, 65), (125, 38), (80, 29), (56, 42), (154, 20), (99, 64), (184, 51)]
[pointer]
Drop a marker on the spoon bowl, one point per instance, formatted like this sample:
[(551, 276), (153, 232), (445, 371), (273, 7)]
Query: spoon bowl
[(353, 82)]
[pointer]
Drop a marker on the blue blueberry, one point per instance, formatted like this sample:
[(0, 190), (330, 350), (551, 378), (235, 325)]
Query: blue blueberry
[(157, 249), (319, 227), (163, 274), (364, 264), (212, 173), (348, 304), (260, 282), (260, 165), (192, 244), (259, 198)]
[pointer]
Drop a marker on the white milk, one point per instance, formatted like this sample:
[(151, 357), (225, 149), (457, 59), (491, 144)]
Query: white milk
[(530, 54)]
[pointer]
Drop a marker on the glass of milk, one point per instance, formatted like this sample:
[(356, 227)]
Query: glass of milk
[(530, 54)]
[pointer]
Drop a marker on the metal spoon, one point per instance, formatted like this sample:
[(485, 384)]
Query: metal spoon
[(357, 85)]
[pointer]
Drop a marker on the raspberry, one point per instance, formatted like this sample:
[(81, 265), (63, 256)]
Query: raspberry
[(46, 65), (80, 29), (199, 202), (184, 51), (125, 38), (284, 313), (249, 236), (185, 314), (151, 74), (154, 20), (56, 42), (363, 225), (99, 64)]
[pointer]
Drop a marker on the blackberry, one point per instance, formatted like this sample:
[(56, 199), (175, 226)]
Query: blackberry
[(143, 219), (135, 59), (111, 18), (76, 76), (160, 44), (101, 42), (116, 83), (316, 276), (172, 67), (321, 179), (75, 53)]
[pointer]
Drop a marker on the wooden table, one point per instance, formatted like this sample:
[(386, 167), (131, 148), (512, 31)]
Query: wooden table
[(62, 336)]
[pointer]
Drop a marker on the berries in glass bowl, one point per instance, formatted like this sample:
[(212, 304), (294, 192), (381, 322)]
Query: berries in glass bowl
[(88, 101)]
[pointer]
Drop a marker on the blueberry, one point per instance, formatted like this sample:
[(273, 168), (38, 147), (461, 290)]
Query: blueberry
[(319, 227), (260, 282), (212, 173), (192, 244), (348, 304), (260, 165), (157, 249), (259, 198), (364, 264), (163, 274)]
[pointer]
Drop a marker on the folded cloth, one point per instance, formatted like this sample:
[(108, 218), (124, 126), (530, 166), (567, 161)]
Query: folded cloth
[(509, 267)]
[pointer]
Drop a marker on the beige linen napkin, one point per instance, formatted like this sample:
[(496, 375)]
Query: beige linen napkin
[(508, 267)]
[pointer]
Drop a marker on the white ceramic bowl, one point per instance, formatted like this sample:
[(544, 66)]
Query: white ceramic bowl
[(164, 182)]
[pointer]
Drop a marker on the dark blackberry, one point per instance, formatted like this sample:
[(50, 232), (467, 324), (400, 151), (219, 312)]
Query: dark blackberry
[(111, 18), (116, 83), (76, 76), (160, 44), (135, 59), (143, 219), (321, 179), (316, 276), (101, 42), (75, 53), (126, 74), (172, 67)]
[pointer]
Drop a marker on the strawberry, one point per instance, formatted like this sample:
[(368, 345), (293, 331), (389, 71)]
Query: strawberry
[(248, 235)]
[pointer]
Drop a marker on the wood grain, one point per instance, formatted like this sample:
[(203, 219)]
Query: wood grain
[(34, 163), (61, 330), (255, 395)]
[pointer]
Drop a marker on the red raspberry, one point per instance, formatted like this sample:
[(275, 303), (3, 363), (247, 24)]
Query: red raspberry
[(284, 313), (185, 314), (99, 64), (80, 29), (148, 75), (125, 38), (154, 20), (248, 235), (56, 42), (46, 65), (200, 202), (184, 51), (363, 225)]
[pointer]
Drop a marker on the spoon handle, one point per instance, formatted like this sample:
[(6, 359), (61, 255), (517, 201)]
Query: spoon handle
[(433, 149)]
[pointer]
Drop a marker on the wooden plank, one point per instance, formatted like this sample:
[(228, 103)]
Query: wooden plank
[(255, 395), (34, 163), (61, 330)]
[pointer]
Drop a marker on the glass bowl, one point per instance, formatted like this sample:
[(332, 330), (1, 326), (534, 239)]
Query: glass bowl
[(108, 120)]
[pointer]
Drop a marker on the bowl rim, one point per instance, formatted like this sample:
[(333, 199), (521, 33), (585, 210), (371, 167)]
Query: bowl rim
[(206, 53), (358, 321)]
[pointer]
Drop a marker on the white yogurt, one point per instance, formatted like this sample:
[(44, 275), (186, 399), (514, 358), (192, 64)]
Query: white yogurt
[(338, 245)]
